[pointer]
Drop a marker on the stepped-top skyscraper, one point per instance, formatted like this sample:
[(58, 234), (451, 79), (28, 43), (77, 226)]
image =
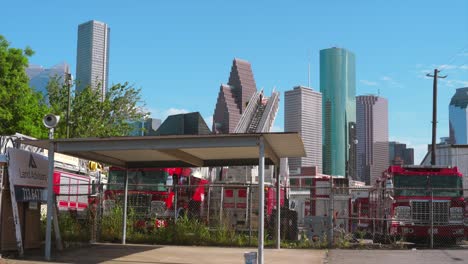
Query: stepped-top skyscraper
[(92, 57), (303, 114), (338, 88), (372, 135), (233, 97), (458, 117)]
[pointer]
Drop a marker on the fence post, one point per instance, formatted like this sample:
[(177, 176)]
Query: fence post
[(175, 201), (209, 201), (250, 214), (221, 206), (330, 214), (278, 208), (431, 211)]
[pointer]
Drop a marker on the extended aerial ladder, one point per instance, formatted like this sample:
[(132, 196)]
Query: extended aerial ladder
[(260, 114)]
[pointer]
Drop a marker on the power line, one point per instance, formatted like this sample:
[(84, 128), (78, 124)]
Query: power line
[(453, 57)]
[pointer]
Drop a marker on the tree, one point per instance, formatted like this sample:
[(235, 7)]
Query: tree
[(91, 115), (21, 108)]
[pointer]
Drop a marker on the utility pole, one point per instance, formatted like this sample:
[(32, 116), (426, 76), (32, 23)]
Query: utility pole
[(434, 114), (68, 82)]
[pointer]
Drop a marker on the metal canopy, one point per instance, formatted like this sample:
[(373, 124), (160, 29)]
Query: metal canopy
[(180, 150)]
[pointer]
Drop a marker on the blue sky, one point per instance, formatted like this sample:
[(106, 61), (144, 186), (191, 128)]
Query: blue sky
[(179, 52)]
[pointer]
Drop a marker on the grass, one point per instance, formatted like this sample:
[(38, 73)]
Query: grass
[(184, 231)]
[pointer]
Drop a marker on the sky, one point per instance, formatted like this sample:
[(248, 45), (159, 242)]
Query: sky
[(180, 52)]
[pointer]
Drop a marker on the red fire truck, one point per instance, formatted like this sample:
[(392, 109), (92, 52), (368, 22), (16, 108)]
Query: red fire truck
[(152, 191), (408, 200), (360, 220), (72, 191), (230, 204)]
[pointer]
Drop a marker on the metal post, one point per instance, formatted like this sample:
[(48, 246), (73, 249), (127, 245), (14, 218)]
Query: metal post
[(431, 210), (50, 195), (58, 238), (124, 215), (221, 206), (250, 214), (331, 212), (99, 208), (68, 83), (209, 205), (278, 209), (261, 202), (175, 200)]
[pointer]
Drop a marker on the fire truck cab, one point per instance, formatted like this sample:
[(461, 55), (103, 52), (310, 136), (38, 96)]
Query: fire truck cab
[(409, 201)]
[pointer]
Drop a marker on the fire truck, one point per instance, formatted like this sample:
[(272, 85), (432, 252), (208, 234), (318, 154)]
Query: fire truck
[(160, 193), (72, 191), (360, 220), (232, 204), (408, 200)]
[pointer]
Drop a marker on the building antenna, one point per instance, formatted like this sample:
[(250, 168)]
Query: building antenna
[(378, 92)]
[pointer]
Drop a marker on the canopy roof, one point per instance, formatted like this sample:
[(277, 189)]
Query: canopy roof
[(180, 150)]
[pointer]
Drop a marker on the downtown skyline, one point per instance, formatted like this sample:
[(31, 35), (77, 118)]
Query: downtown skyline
[(154, 50)]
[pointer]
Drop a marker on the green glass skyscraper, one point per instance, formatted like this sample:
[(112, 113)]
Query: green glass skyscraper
[(338, 88)]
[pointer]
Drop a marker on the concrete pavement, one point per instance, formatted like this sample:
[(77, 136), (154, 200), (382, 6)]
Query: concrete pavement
[(142, 254), (424, 256)]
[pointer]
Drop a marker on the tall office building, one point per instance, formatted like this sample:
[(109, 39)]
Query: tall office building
[(372, 135), (399, 154), (39, 76), (458, 117), (338, 88), (233, 97), (303, 114), (92, 57)]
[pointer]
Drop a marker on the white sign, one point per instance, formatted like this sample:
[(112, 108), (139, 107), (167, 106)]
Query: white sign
[(27, 169), (65, 159)]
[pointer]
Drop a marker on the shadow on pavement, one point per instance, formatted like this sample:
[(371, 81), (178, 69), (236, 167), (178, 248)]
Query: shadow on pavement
[(94, 254)]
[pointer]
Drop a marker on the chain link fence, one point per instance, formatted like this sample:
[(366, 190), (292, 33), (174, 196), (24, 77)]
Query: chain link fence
[(227, 215)]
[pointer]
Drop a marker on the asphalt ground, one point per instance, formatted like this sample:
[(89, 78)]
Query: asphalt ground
[(415, 256), (147, 254)]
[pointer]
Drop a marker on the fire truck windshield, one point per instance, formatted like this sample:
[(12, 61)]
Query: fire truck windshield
[(148, 180), (443, 185)]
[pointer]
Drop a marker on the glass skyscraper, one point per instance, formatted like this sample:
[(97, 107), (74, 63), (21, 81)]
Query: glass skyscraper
[(338, 88), (92, 57), (458, 117)]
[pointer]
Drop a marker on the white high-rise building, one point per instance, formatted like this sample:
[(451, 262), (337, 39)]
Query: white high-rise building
[(303, 114), (92, 57)]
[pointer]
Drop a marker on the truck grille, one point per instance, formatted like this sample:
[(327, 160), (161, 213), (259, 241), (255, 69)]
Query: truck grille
[(140, 203), (420, 211)]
